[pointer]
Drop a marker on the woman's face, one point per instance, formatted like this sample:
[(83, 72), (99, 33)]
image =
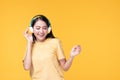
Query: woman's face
[(40, 30)]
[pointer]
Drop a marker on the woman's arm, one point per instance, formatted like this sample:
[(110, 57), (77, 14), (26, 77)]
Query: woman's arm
[(67, 64), (27, 59)]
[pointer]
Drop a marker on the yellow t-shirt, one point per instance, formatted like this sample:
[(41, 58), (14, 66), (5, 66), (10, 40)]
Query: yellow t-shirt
[(45, 56)]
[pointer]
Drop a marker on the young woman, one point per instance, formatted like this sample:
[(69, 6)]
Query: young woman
[(44, 55)]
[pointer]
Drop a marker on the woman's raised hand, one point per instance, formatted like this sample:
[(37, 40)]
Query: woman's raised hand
[(28, 36), (75, 50)]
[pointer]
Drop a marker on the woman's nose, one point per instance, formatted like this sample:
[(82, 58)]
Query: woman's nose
[(41, 30)]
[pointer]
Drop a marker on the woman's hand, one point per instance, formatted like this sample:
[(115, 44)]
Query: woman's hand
[(28, 36), (75, 50), (67, 64)]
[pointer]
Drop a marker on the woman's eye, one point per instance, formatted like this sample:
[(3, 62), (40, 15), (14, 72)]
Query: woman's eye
[(37, 28), (44, 28)]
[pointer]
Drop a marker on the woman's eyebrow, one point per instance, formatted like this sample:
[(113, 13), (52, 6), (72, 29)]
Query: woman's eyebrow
[(45, 26)]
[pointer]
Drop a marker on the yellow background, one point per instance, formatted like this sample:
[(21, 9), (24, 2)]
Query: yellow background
[(94, 24)]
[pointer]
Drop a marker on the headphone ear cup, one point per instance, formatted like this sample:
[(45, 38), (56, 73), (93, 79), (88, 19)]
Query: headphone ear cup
[(49, 29), (31, 29)]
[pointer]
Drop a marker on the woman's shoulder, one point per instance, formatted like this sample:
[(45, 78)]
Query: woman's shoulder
[(55, 40)]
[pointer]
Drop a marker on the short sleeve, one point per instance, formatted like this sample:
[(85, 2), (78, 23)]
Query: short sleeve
[(60, 52)]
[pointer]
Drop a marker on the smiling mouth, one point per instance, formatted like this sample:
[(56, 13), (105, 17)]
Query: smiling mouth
[(41, 35)]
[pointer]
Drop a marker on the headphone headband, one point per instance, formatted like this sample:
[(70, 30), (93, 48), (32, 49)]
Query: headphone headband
[(41, 17)]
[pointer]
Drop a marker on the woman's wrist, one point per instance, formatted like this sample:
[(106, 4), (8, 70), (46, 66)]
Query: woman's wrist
[(30, 43), (71, 57)]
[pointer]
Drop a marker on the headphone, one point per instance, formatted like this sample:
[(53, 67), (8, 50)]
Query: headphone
[(37, 16)]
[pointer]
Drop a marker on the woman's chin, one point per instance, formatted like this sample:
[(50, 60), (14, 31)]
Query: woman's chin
[(41, 39)]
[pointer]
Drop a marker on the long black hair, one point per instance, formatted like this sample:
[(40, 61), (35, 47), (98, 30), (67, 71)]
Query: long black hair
[(43, 18)]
